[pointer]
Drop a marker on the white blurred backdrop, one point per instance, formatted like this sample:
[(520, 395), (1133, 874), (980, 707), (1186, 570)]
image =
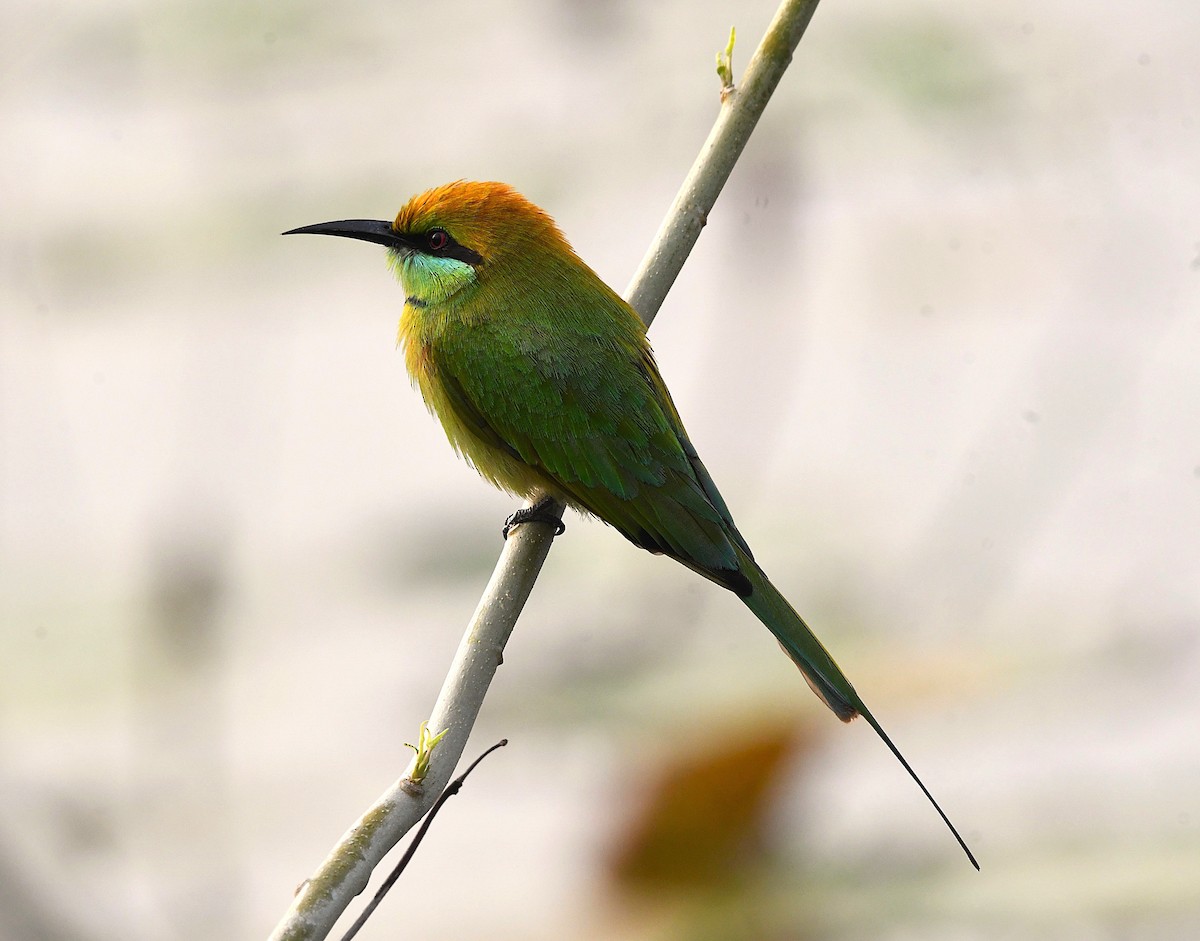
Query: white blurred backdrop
[(938, 345)]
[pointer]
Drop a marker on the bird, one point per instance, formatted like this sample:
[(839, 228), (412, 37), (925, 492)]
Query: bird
[(543, 378)]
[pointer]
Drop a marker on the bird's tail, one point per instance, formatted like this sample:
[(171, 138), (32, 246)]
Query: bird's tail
[(822, 673), (801, 644)]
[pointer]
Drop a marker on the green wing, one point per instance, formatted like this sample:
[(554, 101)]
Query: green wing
[(583, 403)]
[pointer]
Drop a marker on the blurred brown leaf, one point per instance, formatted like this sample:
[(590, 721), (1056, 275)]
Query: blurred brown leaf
[(702, 820)]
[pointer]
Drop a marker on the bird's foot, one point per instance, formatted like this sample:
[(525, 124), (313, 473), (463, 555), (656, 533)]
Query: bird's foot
[(540, 512)]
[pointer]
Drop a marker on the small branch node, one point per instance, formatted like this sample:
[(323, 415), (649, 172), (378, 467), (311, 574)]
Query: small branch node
[(725, 67), (426, 743)]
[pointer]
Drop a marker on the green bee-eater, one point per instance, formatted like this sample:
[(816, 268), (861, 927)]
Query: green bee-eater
[(543, 378)]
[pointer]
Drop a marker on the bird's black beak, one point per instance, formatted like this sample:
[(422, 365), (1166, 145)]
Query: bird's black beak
[(369, 230)]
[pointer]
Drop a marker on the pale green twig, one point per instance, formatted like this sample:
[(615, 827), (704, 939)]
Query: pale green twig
[(451, 789)]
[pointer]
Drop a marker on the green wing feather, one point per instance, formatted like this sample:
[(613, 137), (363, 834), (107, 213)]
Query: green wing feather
[(589, 410), (580, 400)]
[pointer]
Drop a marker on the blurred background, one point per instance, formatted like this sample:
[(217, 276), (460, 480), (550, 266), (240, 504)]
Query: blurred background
[(938, 346)]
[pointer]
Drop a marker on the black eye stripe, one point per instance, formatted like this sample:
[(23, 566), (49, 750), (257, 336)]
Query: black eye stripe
[(440, 243)]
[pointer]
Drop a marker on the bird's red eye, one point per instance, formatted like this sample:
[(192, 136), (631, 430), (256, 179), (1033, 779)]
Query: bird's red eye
[(438, 239)]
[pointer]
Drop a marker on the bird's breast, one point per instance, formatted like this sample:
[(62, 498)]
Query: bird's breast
[(419, 335), (417, 345)]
